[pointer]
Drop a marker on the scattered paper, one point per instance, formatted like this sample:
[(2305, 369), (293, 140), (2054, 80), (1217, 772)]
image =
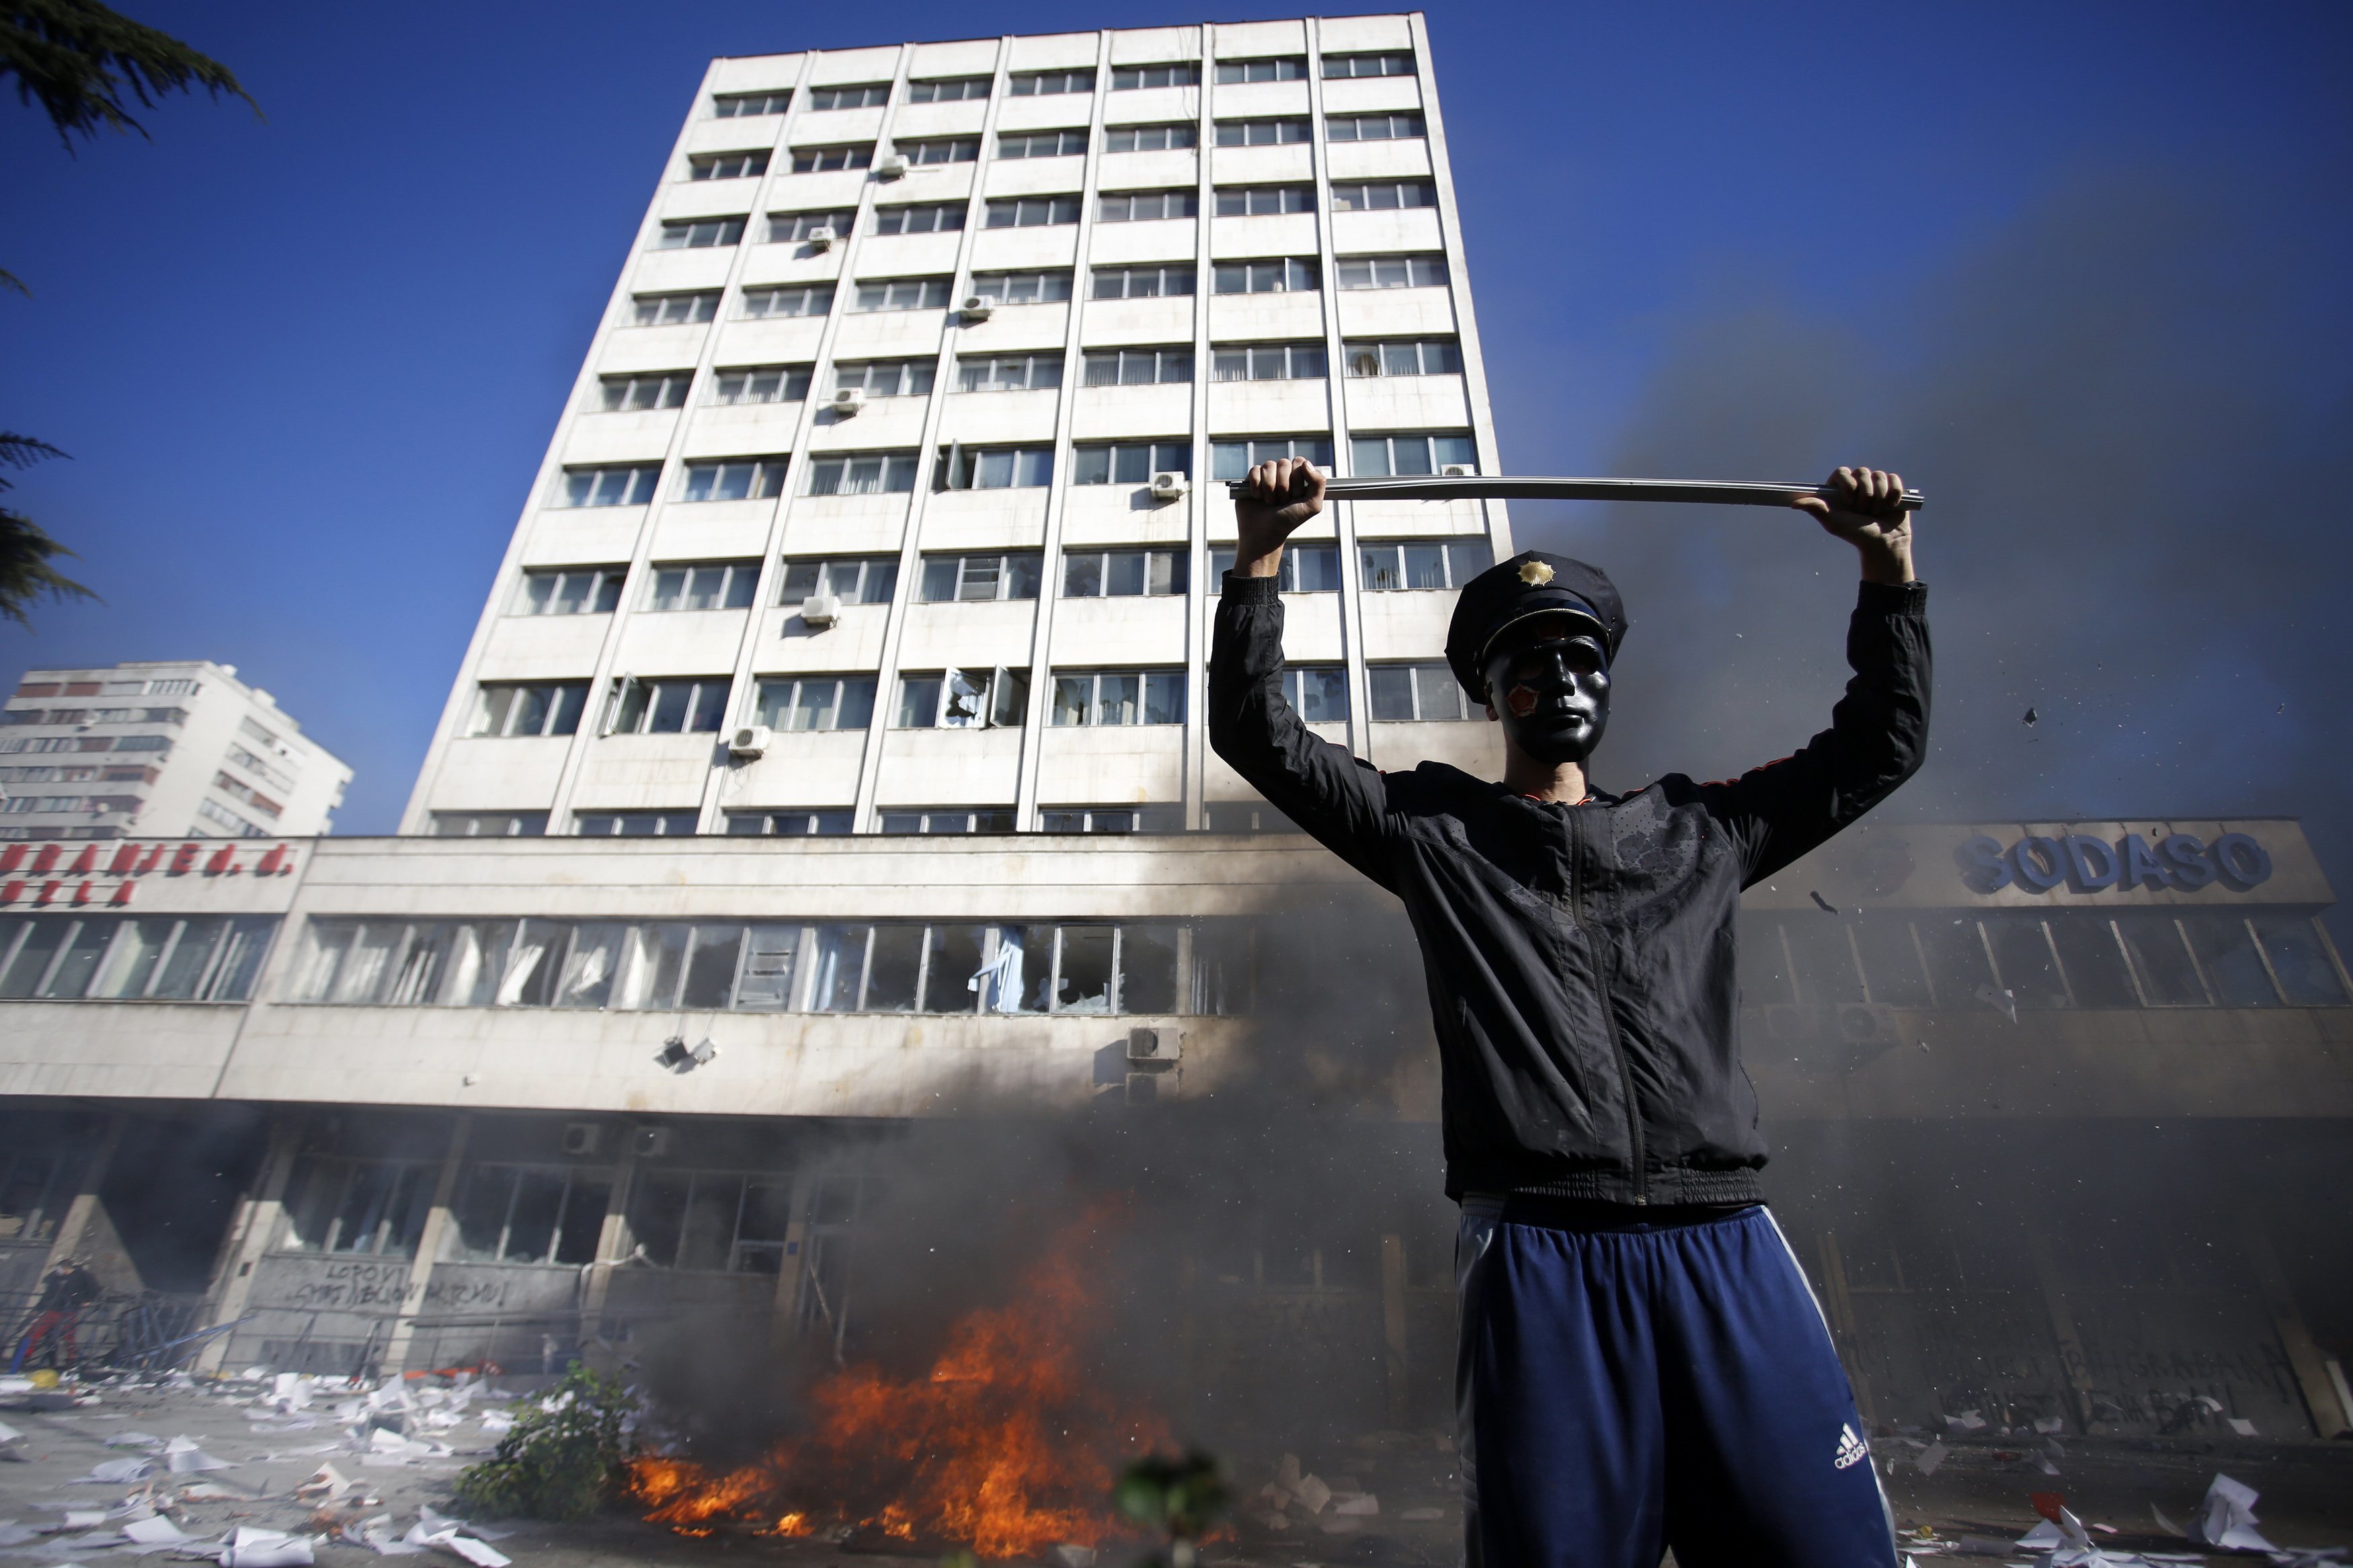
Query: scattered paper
[(1931, 1456), (1312, 1493), (2240, 1425), (1363, 1505), (1966, 1421), (155, 1531), (115, 1472), (250, 1548), (2227, 1517), (181, 1456), (481, 1553)]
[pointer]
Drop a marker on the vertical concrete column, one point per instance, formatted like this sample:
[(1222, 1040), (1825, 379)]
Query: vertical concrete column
[(786, 1322), (2064, 1336), (1393, 1326), (85, 1228), (614, 1244), (1837, 1305), (257, 1227), (2321, 1400), (429, 1248)]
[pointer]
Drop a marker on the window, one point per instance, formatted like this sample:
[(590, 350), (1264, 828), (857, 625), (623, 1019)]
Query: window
[(1024, 287), (970, 577), (38, 744), (1122, 573), (951, 90), (1040, 84), (949, 820), (863, 95), (257, 768), (1262, 133), (1180, 73), (1424, 563), (571, 590), (992, 467), (1406, 356), (158, 958), (737, 479), (1009, 373), (798, 299), (1290, 69), (1150, 138), (673, 705), (745, 105), (862, 474), (1244, 816), (789, 824), (519, 708), (1129, 462), (144, 742), (760, 383), (815, 702), (727, 165), (964, 699), (1143, 207), (1138, 367), (904, 294), (1295, 274), (1270, 362), (620, 484), (238, 789), (927, 217), (629, 393), (828, 160), (1033, 212), (489, 824), (633, 824), (710, 586), (1425, 692), (1339, 66), (1260, 201), (1111, 819), (673, 309), (1392, 271), (792, 228), (2299, 960), (1305, 568), (886, 377), (1373, 128), (1233, 459), (1382, 196), (1384, 455), (854, 580), (1143, 282), (939, 150), (1067, 143), (1320, 693), (1118, 697), (699, 233), (509, 1213)]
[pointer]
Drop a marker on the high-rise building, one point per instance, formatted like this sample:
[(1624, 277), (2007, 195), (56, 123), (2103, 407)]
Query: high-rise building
[(889, 496), (159, 749)]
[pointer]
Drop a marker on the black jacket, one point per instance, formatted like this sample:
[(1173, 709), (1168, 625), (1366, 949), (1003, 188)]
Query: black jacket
[(1580, 958)]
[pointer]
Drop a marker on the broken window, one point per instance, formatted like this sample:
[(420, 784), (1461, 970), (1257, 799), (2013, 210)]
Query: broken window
[(711, 1221), (2024, 960), (2300, 959), (2233, 965), (370, 1207), (1891, 963), (1957, 959), (2160, 957), (513, 1213), (2094, 962)]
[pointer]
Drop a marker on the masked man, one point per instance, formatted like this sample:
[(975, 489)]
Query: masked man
[(1642, 1364)]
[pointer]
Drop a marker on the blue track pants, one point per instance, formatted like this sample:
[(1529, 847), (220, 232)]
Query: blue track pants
[(1626, 1389)]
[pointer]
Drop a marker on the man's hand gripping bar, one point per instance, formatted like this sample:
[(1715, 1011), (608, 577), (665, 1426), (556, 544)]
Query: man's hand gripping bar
[(1477, 487)]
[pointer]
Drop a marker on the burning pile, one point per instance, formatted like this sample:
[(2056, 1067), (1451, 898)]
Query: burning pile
[(1006, 1444)]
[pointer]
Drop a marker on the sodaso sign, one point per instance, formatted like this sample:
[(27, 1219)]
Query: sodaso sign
[(2179, 862)]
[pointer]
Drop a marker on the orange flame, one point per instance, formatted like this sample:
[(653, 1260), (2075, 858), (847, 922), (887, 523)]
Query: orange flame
[(1006, 1444)]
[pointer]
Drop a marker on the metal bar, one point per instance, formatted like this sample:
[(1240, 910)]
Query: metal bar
[(1483, 486)]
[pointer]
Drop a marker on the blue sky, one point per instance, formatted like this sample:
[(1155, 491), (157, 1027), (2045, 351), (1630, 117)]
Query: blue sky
[(2083, 262)]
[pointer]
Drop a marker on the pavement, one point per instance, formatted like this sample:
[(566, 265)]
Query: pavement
[(408, 1464)]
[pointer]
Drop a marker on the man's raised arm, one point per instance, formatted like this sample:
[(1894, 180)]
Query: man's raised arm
[(1317, 784)]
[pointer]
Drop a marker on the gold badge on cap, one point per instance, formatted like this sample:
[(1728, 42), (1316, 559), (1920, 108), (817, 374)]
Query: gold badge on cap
[(1534, 574)]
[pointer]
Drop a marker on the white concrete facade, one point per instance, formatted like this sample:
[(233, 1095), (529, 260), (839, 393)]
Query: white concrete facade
[(159, 748), (1031, 768)]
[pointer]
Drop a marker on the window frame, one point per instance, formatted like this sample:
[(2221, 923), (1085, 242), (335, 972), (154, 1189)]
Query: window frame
[(905, 377), (998, 699), (703, 167), (626, 384), (792, 385), (865, 91), (1047, 363), (1282, 130), (708, 699), (768, 476), (1162, 270), (1237, 71), (1164, 683), (681, 233), (1163, 359), (1170, 566), (997, 285), (917, 93), (1412, 261), (1463, 444), (946, 218), (831, 158), (1353, 57), (607, 586), (1293, 354), (877, 581), (1180, 73), (1135, 132), (1010, 569), (1188, 197), (926, 151), (809, 295), (1419, 674), (1246, 269), (1042, 210), (1380, 348), (1290, 200), (893, 466), (792, 227), (1026, 466), (884, 288), (1052, 83), (1461, 558), (1416, 126), (639, 489), (732, 105), (1176, 451), (1021, 146), (1360, 197), (567, 703), (738, 578), (1222, 451), (778, 696)]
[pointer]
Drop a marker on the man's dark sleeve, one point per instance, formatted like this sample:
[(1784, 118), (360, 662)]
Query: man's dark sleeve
[(1320, 786), (1877, 738)]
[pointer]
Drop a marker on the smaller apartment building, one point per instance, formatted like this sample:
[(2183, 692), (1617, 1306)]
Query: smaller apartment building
[(2049, 1101)]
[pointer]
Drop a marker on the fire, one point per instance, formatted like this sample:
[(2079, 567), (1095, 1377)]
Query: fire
[(1006, 1445)]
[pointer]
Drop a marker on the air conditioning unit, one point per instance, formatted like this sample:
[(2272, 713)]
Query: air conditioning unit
[(891, 168), (1147, 1043), (848, 401), (751, 742), (1867, 1024), (1170, 486), (582, 1137), (821, 237), (977, 307), (650, 1142), (1456, 471)]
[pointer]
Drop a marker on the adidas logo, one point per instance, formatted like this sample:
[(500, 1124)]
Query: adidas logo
[(1850, 1448)]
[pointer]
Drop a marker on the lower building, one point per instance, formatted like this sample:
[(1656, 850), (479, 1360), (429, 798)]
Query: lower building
[(2050, 1103)]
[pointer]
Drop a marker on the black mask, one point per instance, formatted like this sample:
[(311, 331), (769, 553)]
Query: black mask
[(1549, 686)]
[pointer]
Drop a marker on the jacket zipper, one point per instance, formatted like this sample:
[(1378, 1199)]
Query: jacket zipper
[(1608, 1008)]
